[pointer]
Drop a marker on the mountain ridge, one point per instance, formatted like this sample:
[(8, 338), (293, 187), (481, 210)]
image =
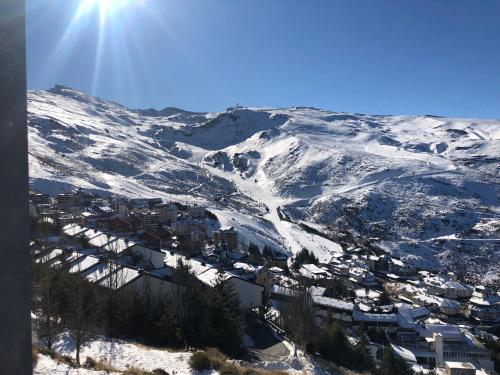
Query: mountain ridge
[(413, 182)]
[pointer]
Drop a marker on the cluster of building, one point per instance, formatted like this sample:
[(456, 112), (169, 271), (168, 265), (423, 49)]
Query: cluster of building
[(427, 318), (136, 245)]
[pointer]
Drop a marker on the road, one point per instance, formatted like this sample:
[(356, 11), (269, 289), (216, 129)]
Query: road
[(266, 345)]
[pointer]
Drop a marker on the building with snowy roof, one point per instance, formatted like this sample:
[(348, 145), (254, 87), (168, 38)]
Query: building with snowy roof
[(459, 368), (282, 293), (74, 230), (312, 271), (449, 307), (433, 344), (118, 245), (340, 269), (227, 234), (400, 268), (65, 201), (100, 240), (250, 294), (484, 306), (446, 287), (376, 319), (147, 257), (82, 263), (363, 277), (48, 256), (329, 309), (168, 213)]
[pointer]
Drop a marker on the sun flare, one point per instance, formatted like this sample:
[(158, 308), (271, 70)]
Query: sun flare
[(106, 8)]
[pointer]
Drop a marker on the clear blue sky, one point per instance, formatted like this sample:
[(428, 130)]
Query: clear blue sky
[(387, 57)]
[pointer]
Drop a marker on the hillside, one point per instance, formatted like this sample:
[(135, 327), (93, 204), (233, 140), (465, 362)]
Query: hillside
[(425, 188)]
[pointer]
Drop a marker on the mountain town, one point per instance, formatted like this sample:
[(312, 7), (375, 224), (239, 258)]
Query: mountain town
[(220, 187), (144, 269)]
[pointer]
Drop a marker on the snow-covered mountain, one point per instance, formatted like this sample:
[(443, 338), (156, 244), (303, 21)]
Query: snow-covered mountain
[(425, 188)]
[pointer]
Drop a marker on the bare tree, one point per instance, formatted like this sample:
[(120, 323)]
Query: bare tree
[(298, 317), (46, 301), (82, 310)]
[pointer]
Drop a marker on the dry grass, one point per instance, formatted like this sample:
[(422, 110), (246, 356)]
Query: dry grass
[(136, 371), (58, 357), (91, 363), (100, 365), (106, 366), (214, 359), (159, 371)]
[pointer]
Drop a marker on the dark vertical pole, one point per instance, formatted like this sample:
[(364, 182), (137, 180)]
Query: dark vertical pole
[(15, 275)]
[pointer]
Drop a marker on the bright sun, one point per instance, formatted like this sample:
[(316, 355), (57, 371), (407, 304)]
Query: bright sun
[(106, 8)]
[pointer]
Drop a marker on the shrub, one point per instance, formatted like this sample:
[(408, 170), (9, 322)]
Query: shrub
[(230, 369), (200, 361), (159, 371), (99, 365), (332, 344), (90, 362), (62, 358), (251, 371), (136, 371), (213, 359), (305, 257)]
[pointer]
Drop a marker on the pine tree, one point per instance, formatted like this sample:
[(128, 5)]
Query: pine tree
[(298, 317), (304, 256), (393, 364), (191, 306), (255, 256), (226, 326), (267, 252), (167, 329), (46, 303), (82, 310), (334, 346), (134, 322), (360, 358)]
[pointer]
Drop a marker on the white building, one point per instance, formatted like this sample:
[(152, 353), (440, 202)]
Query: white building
[(311, 271), (459, 368), (149, 258), (249, 293), (447, 287), (123, 209), (434, 344), (484, 306), (449, 307), (333, 309), (167, 212)]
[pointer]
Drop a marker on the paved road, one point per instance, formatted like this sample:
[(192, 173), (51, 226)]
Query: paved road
[(266, 347)]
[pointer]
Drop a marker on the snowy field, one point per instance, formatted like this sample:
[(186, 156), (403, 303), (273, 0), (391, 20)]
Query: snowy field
[(123, 355)]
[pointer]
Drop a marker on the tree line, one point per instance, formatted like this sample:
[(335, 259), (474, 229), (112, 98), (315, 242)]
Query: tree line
[(331, 343), (197, 316)]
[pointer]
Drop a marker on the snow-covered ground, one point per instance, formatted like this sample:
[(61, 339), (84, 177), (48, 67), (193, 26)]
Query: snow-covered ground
[(424, 185), (47, 366), (122, 355), (295, 365)]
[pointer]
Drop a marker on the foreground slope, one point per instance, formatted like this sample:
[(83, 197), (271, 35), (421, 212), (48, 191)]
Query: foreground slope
[(425, 188)]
